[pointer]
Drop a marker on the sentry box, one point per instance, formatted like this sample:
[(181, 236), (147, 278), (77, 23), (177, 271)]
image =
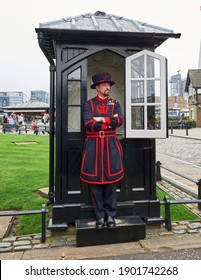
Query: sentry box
[(76, 48)]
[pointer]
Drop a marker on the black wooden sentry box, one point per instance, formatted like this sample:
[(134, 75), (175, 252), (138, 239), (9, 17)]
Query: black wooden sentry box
[(76, 48)]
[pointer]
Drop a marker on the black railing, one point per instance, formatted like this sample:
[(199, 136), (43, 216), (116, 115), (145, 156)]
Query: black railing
[(167, 202), (43, 213), (158, 178)]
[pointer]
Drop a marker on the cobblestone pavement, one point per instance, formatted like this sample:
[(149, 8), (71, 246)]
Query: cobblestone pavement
[(186, 149), (28, 242), (181, 154)]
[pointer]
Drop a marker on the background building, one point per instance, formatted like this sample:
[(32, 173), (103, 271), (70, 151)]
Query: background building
[(193, 87), (8, 98), (176, 86), (41, 95), (177, 106), (178, 99)]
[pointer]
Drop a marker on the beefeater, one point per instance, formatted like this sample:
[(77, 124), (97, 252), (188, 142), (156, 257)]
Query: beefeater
[(102, 160)]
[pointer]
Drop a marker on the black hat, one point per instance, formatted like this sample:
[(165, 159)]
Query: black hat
[(101, 78)]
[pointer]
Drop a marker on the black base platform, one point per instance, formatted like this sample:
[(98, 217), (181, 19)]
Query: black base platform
[(127, 229)]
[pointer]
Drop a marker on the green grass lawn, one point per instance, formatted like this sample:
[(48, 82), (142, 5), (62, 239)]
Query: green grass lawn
[(24, 170), (178, 212)]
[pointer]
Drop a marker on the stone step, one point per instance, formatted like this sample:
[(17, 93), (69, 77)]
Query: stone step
[(128, 229)]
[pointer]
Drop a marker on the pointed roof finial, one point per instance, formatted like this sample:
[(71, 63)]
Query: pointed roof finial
[(99, 13)]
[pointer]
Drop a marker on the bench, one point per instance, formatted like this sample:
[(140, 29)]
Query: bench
[(23, 127), (175, 125), (7, 127)]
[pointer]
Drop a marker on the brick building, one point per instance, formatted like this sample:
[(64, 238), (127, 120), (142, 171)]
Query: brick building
[(193, 87)]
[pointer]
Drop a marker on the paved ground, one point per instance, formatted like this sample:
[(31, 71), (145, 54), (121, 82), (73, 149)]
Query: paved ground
[(182, 154), (183, 242), (158, 244)]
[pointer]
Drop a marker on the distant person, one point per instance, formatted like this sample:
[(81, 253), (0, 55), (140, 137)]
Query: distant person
[(5, 118), (20, 119), (34, 127), (181, 123), (41, 126), (44, 119), (47, 118), (11, 121)]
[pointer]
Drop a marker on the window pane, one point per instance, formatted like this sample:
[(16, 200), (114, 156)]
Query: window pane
[(153, 91), (153, 117), (137, 91), (74, 119), (137, 117), (137, 67), (73, 93), (153, 67), (75, 75)]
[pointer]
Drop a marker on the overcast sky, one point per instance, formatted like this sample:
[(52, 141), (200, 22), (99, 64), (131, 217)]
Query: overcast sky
[(23, 66)]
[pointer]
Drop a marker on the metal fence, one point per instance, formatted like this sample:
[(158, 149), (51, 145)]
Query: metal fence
[(167, 202), (43, 213)]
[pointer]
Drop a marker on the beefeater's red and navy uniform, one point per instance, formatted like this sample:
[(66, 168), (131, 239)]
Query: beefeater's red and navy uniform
[(102, 160)]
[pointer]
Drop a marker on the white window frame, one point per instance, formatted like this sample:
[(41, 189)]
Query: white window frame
[(147, 133)]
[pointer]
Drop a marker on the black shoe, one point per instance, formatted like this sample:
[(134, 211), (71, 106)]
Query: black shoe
[(111, 222), (100, 223)]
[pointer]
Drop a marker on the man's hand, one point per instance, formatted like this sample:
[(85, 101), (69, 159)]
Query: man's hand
[(99, 119)]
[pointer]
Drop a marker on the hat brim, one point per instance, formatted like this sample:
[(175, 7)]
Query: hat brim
[(96, 84)]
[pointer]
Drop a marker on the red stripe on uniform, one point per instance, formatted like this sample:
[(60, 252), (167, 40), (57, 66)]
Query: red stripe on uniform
[(86, 123), (102, 157), (92, 107)]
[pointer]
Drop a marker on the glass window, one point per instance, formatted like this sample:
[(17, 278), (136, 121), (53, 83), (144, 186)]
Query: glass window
[(137, 117), (153, 117), (146, 95), (74, 119), (75, 75), (137, 91), (137, 67), (153, 67), (153, 91), (74, 89)]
